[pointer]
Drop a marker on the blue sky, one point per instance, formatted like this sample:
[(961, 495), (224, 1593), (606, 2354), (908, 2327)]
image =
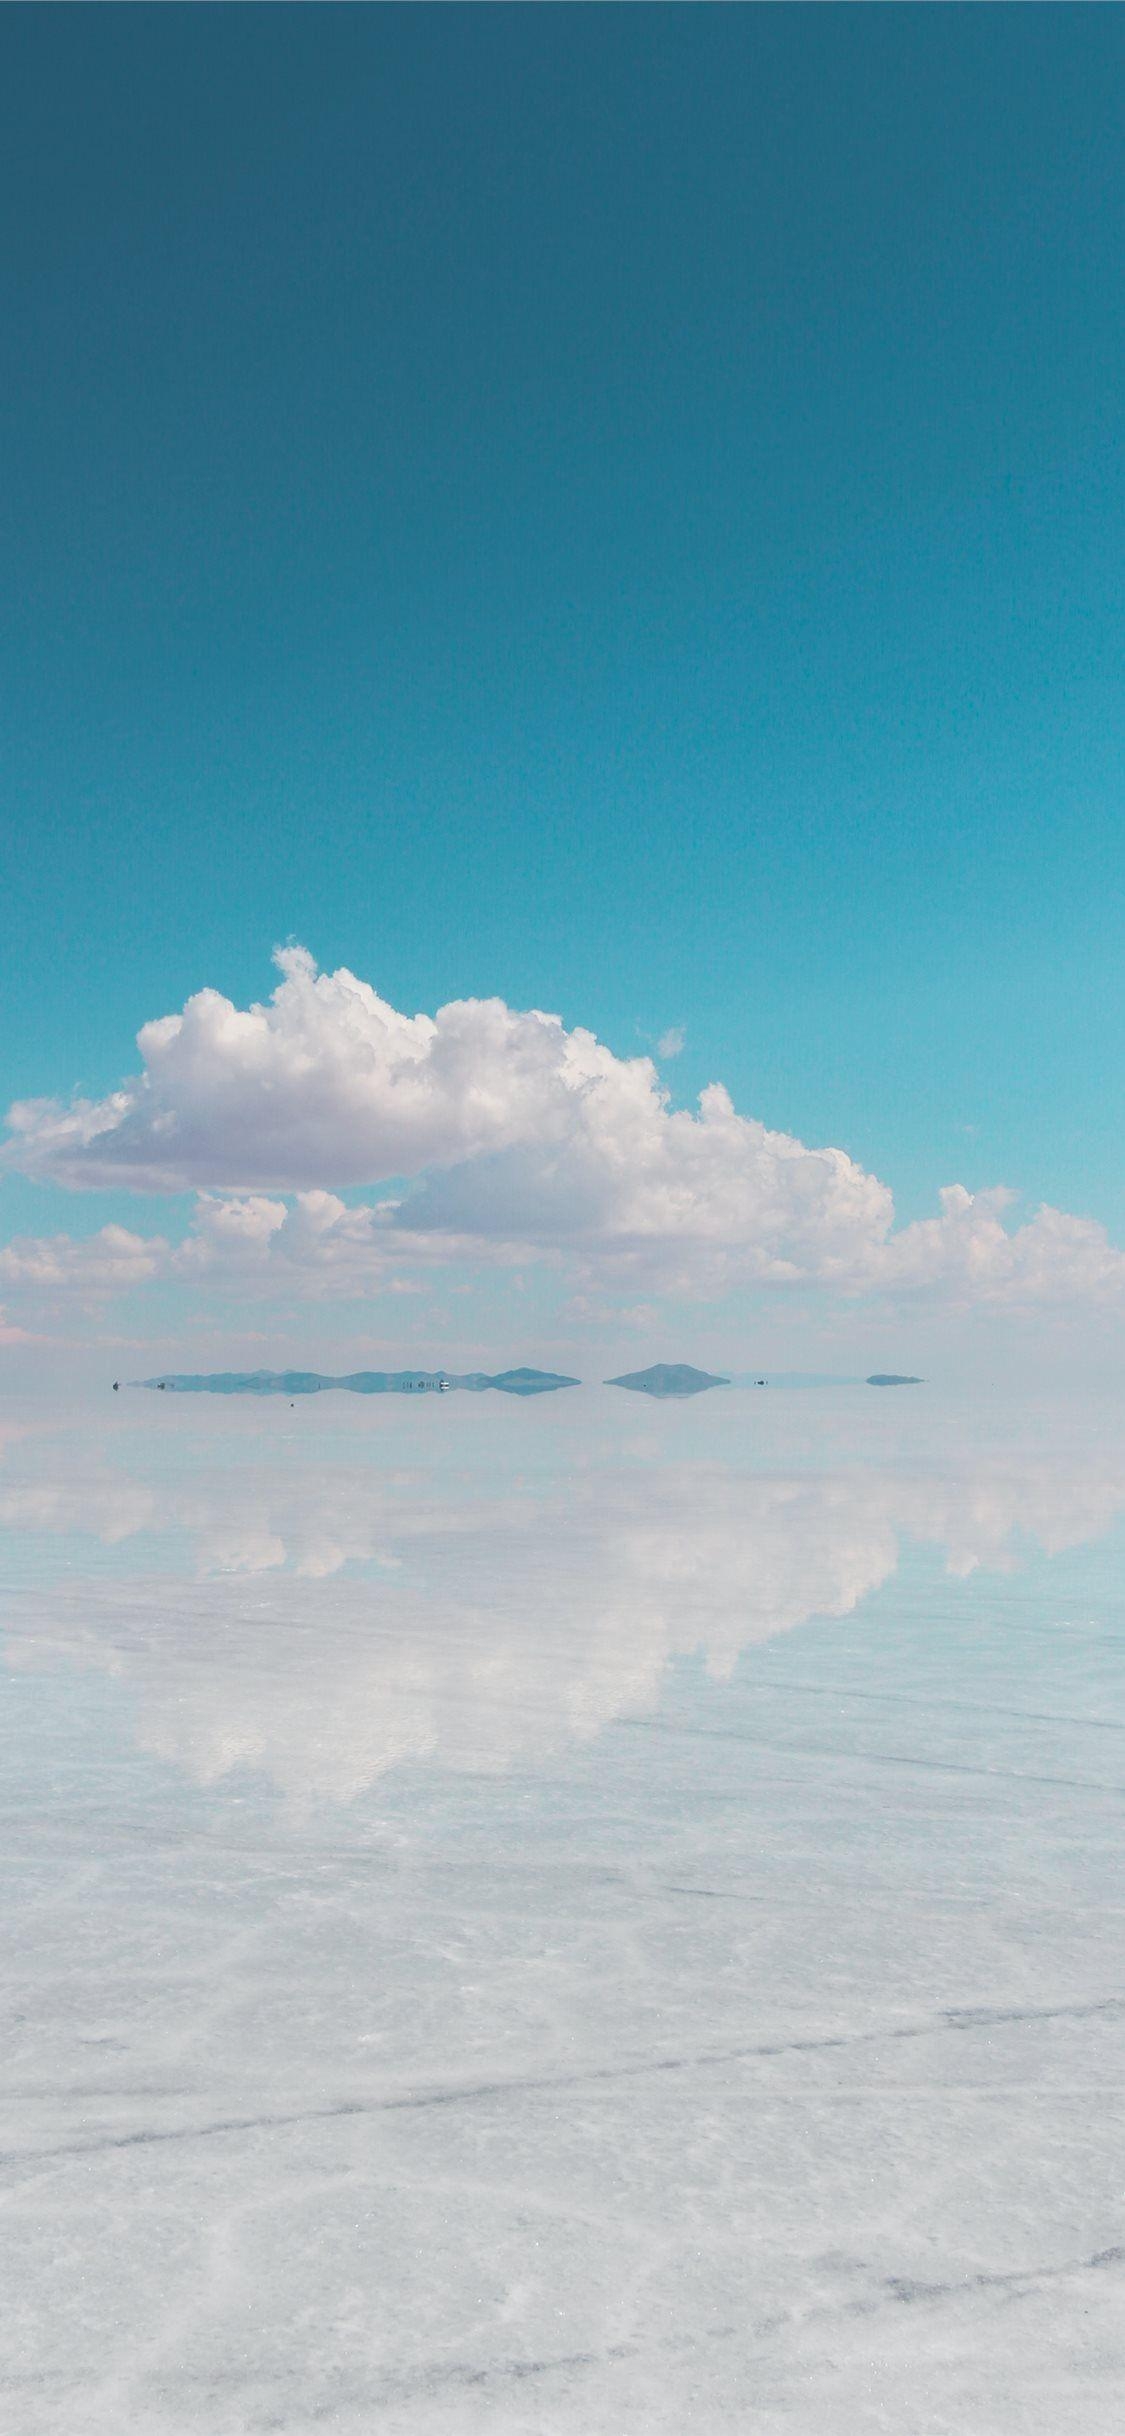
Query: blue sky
[(615, 510)]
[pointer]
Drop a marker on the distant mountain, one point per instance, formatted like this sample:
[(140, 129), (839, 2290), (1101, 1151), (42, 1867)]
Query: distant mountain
[(521, 1382), (669, 1379), (358, 1382), (891, 1378)]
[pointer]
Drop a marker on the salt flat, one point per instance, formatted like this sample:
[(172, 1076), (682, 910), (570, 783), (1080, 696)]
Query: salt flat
[(583, 1919)]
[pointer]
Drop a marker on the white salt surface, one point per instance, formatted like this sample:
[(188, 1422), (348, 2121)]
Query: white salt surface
[(580, 1917)]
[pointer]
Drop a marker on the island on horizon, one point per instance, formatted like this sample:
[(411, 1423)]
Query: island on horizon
[(892, 1378), (358, 1382), (669, 1379)]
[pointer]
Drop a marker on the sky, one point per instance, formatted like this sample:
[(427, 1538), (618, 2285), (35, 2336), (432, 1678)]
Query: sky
[(596, 534)]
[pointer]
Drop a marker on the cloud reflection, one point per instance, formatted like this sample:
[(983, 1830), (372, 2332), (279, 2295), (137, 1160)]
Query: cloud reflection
[(324, 1622)]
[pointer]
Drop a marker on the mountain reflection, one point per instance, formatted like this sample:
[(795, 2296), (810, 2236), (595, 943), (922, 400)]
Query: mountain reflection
[(324, 1621)]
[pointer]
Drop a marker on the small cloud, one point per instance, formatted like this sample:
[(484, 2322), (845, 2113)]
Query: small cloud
[(10, 1334), (671, 1042), (638, 1315)]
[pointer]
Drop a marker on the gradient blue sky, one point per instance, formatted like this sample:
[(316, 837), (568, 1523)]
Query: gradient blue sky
[(620, 509)]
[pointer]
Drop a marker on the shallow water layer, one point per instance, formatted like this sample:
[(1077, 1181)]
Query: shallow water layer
[(593, 1918)]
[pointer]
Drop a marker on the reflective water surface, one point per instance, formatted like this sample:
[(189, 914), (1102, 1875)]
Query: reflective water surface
[(578, 1918)]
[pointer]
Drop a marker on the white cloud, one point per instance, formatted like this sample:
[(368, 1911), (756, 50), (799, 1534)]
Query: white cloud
[(968, 1256), (316, 1247), (105, 1263), (519, 1138), (525, 1133), (12, 1334), (236, 1241), (326, 1085), (672, 1041)]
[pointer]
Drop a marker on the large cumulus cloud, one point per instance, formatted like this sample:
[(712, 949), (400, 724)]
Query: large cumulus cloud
[(329, 1085), (516, 1136), (520, 1130)]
